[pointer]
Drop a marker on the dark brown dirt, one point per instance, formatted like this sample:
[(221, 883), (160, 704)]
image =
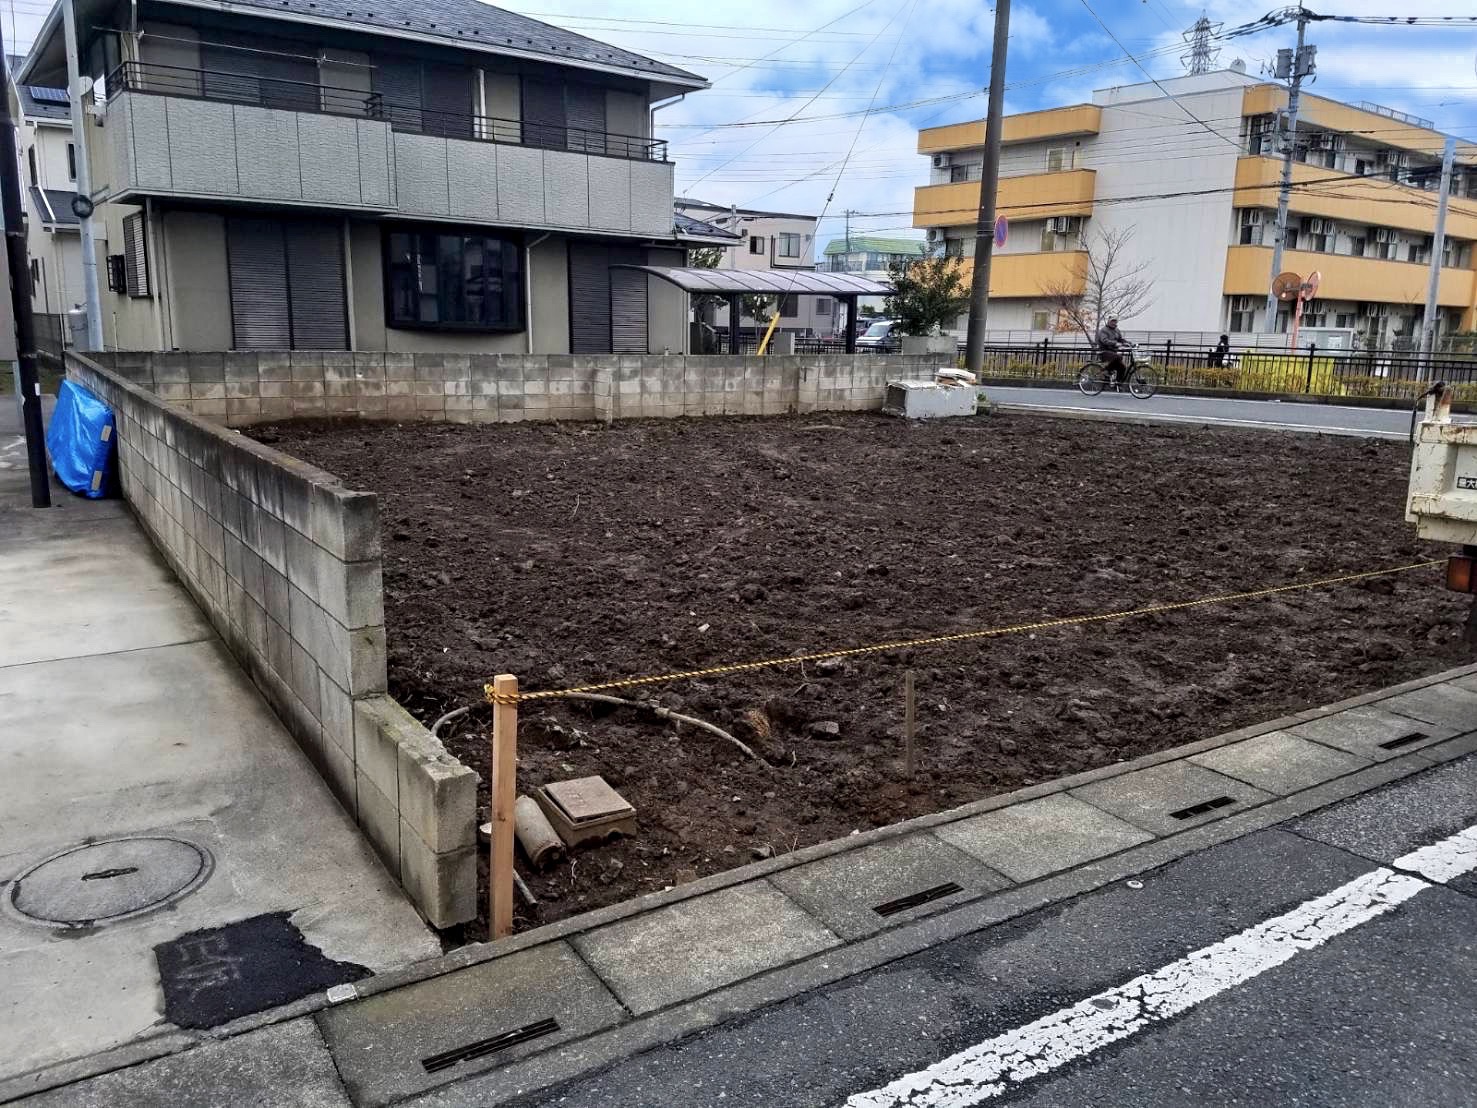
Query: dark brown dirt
[(575, 554)]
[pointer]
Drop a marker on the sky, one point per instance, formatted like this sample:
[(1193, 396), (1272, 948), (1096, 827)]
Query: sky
[(815, 107)]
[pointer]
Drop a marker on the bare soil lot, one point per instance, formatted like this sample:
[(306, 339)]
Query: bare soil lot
[(574, 554)]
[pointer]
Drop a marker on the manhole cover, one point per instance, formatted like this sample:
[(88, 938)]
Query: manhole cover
[(107, 881)]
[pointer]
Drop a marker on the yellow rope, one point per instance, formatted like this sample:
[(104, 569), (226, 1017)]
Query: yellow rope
[(940, 640)]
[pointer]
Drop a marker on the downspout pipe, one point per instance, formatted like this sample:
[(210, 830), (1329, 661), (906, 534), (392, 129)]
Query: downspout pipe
[(528, 290)]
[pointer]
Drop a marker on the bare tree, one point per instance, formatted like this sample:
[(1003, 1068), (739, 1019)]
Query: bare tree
[(1104, 283)]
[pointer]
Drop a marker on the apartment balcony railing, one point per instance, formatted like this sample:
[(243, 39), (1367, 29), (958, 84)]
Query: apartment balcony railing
[(302, 96)]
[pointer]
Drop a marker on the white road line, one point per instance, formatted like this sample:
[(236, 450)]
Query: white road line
[(997, 1065)]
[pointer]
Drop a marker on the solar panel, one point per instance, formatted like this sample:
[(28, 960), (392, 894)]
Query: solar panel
[(47, 95)]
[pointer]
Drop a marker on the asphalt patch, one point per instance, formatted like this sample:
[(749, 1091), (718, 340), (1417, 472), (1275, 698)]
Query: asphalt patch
[(218, 974)]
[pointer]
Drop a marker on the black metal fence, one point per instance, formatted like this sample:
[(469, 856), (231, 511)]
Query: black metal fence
[(50, 330)]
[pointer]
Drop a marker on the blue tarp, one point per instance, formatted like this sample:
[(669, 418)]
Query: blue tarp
[(80, 441)]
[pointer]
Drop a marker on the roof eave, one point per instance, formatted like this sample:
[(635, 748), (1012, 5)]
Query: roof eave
[(679, 78)]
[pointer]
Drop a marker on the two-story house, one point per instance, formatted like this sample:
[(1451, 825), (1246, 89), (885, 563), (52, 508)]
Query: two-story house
[(768, 240), (49, 180), (870, 256), (449, 176)]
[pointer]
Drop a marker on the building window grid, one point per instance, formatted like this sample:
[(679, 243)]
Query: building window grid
[(454, 281)]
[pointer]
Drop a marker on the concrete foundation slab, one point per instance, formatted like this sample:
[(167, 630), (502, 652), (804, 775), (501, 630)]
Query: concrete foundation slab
[(1366, 731), (1445, 705), (1280, 763), (284, 1064), (845, 890), (381, 1043), (692, 947), (1029, 840), (1169, 798)]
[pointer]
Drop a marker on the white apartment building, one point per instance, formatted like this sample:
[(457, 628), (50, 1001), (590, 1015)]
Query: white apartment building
[(769, 240), (1198, 197)]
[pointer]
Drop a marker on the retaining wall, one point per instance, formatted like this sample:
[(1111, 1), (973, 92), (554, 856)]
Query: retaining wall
[(285, 562), (239, 389)]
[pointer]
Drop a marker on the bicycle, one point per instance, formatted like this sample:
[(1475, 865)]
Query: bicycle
[(1138, 377)]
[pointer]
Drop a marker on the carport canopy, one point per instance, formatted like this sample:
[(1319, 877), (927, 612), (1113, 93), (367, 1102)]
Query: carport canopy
[(734, 283)]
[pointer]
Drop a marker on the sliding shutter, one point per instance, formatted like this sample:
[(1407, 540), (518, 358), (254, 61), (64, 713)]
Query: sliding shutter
[(399, 86), (260, 318), (627, 311), (589, 298), (543, 114), (451, 91), (136, 255), (585, 112), (315, 272)]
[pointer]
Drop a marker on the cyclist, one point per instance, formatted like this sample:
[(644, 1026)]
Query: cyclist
[(1111, 344)]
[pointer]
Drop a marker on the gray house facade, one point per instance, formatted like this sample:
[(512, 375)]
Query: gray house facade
[(372, 176)]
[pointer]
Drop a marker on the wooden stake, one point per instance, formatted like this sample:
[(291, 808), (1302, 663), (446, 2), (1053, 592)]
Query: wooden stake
[(910, 723), (502, 794)]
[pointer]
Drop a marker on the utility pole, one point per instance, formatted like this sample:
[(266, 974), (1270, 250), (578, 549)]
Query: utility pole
[(1292, 66), (92, 298), (984, 229), (20, 301), (1438, 246)]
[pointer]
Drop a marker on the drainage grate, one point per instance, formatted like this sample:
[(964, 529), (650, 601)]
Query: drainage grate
[(1204, 806), (1403, 740), (903, 903), (483, 1047)]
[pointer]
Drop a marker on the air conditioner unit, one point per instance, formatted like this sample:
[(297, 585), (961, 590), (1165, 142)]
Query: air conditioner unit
[(935, 234), (942, 161), (1069, 224), (1051, 226)]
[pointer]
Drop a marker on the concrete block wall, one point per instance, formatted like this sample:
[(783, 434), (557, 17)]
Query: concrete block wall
[(242, 388), (285, 562)]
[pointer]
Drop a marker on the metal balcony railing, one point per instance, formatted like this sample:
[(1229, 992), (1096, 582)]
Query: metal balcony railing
[(301, 96)]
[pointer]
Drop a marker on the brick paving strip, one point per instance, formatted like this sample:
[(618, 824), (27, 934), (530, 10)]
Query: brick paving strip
[(490, 1021)]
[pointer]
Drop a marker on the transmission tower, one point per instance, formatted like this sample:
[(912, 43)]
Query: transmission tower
[(1201, 56)]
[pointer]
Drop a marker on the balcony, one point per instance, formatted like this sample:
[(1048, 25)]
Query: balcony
[(1036, 196), (1249, 271), (1073, 122), (1362, 201), (1025, 276), (202, 134)]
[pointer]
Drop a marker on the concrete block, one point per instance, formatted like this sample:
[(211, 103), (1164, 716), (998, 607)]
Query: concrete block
[(274, 365), (307, 365), (1365, 732), (1029, 840), (844, 890), (399, 367), (379, 820), (378, 723), (701, 944), (380, 1041), (1279, 763), (1147, 797), (338, 771), (336, 715), (438, 795), (442, 886), (1451, 705), (305, 680)]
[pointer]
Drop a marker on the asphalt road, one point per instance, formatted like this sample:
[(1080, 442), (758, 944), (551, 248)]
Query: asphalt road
[(1319, 962), (1274, 414)]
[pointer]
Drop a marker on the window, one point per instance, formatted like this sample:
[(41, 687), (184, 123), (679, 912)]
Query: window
[(1243, 314), (136, 255), (117, 273), (35, 273), (958, 174), (1040, 321), (1056, 159), (1048, 240), (31, 160), (823, 305), (71, 161), (1356, 246), (953, 248), (1420, 252), (788, 245), (757, 244), (789, 305), (468, 282), (1344, 320), (1251, 227)]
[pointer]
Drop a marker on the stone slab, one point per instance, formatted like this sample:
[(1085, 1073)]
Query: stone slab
[(284, 1064), (686, 949), (1280, 763), (379, 1043), (1446, 705), (1030, 840), (1146, 797), (843, 891), (1361, 731)]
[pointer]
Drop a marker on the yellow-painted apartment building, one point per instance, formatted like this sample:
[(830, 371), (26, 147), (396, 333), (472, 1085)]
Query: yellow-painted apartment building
[(1198, 198)]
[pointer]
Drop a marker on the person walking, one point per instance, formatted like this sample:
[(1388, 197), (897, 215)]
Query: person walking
[(1222, 348)]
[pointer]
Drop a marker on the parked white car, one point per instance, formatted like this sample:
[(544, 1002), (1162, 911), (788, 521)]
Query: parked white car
[(881, 336)]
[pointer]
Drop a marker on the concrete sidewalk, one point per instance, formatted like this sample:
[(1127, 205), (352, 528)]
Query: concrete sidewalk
[(147, 794), (494, 1023)]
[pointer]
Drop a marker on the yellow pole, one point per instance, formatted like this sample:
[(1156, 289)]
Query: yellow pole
[(773, 323), (502, 790)]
